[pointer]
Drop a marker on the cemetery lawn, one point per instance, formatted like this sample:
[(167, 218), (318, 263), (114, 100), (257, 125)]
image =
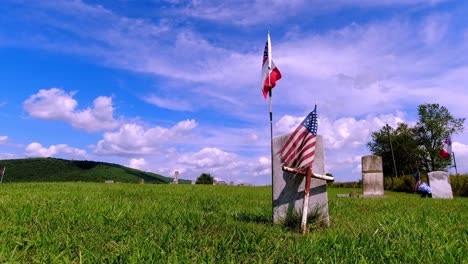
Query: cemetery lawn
[(131, 223)]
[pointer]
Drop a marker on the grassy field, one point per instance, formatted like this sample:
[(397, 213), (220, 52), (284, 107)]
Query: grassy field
[(131, 223)]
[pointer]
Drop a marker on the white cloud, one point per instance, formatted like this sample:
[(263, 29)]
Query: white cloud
[(37, 150), (3, 139), (434, 28), (345, 132), (133, 139), (139, 164), (461, 155), (248, 13), (4, 155), (56, 104), (208, 158), (171, 104)]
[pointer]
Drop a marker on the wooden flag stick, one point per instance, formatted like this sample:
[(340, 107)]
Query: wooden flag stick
[(305, 207), (304, 173)]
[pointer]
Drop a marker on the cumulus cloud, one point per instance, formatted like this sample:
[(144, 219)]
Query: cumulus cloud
[(37, 150), (461, 154), (139, 164), (345, 132), (56, 104), (208, 158), (133, 139)]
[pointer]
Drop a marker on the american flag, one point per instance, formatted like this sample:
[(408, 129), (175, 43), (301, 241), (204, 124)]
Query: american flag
[(299, 150)]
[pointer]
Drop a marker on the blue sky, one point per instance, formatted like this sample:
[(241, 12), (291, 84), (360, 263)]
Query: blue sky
[(175, 85)]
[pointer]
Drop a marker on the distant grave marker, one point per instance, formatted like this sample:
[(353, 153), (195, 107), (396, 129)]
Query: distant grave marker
[(288, 188), (372, 176), (2, 172), (176, 177), (440, 184)]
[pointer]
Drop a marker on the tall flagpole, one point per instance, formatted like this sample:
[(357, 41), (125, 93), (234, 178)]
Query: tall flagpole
[(271, 121), (455, 165)]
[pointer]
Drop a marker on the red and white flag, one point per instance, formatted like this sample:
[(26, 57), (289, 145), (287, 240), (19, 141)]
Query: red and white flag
[(299, 150), (446, 151), (270, 74)]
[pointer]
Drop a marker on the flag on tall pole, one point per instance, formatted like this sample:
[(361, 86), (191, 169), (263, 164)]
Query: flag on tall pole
[(446, 151), (299, 150), (270, 73)]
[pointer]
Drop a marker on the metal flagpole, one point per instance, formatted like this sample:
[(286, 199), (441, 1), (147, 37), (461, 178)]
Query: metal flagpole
[(271, 121), (393, 156), (455, 162), (455, 165)]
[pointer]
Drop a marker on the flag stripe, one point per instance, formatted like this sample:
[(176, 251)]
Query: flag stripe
[(305, 145), (306, 156), (293, 145), (299, 149)]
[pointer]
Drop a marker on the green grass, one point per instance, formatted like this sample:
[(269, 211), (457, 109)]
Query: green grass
[(132, 223)]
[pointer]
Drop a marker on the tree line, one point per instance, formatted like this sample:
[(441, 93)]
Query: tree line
[(416, 147)]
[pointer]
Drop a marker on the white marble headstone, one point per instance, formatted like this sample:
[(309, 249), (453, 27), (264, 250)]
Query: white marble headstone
[(440, 184)]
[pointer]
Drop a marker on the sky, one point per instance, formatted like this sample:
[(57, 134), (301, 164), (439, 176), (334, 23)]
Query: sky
[(166, 85)]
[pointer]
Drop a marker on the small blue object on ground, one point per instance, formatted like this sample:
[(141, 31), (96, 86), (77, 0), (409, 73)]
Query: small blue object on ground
[(424, 189)]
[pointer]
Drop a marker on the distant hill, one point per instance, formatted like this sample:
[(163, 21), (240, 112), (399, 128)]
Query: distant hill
[(61, 170)]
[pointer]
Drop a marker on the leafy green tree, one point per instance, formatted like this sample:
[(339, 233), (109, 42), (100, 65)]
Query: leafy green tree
[(405, 149), (435, 124), (417, 147), (204, 178)]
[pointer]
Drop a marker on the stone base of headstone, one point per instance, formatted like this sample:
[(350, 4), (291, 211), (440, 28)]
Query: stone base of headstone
[(288, 188), (372, 176), (440, 184)]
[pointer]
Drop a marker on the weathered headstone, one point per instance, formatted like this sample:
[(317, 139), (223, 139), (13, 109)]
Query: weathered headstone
[(288, 188), (440, 184), (176, 177), (142, 181), (372, 175)]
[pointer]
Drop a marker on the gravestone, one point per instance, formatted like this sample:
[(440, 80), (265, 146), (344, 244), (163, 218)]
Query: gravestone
[(288, 188), (440, 184), (372, 176), (176, 178)]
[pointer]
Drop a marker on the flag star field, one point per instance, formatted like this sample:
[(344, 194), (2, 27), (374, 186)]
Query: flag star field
[(177, 85)]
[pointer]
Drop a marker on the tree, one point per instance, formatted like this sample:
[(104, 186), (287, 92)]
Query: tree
[(417, 147), (434, 125), (405, 149), (204, 178)]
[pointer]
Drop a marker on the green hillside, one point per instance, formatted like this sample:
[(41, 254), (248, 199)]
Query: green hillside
[(61, 170)]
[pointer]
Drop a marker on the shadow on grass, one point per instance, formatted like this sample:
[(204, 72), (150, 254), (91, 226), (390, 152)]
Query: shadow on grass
[(314, 220)]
